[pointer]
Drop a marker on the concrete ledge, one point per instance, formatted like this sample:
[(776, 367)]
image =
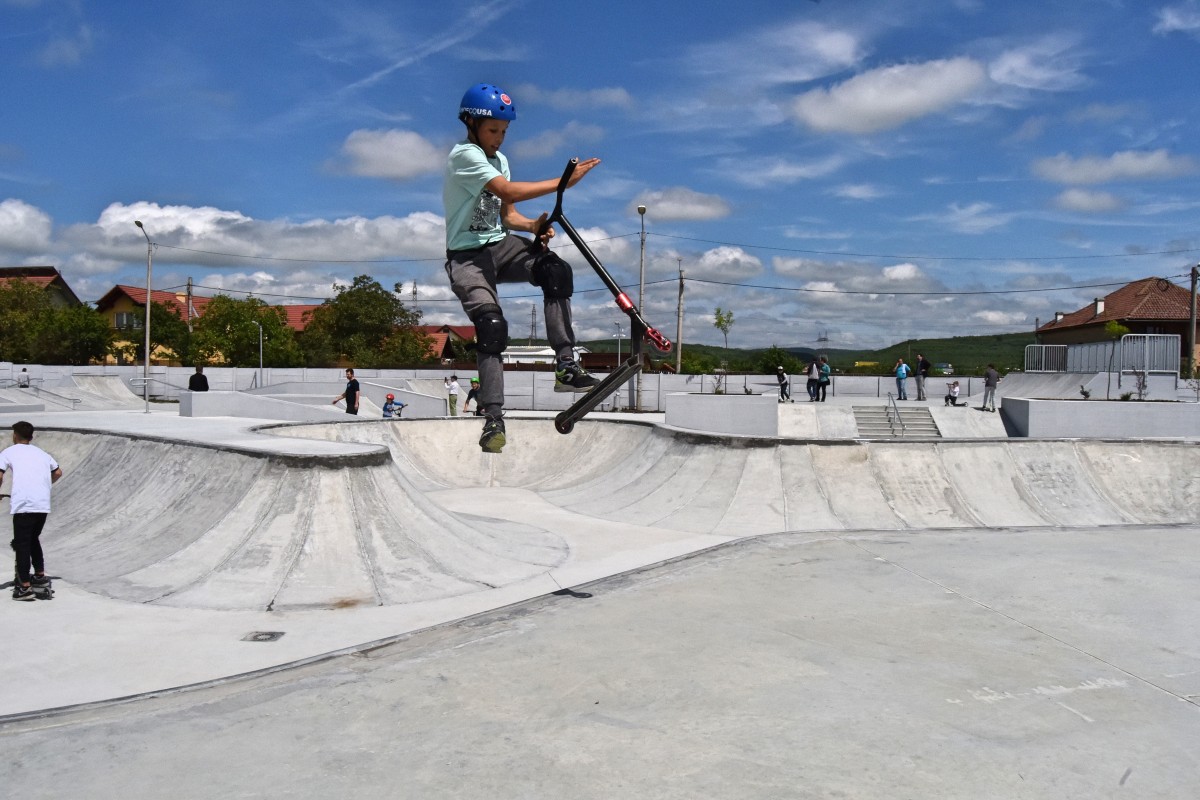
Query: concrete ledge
[(729, 414), (240, 404), (1121, 419), (21, 408)]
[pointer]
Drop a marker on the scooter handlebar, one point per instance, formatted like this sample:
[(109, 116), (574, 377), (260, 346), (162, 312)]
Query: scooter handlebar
[(562, 187), (566, 178)]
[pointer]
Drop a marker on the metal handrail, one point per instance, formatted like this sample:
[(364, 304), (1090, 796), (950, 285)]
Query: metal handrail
[(892, 406), (9, 383), (39, 391), (140, 381)]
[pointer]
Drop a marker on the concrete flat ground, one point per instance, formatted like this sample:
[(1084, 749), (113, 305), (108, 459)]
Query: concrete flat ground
[(626, 611)]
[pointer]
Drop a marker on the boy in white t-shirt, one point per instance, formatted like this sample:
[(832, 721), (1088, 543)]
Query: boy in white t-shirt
[(33, 472)]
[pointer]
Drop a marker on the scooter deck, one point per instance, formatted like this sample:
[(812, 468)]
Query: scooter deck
[(565, 421)]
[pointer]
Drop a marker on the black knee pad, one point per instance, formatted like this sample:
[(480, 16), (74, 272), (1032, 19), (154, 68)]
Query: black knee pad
[(554, 276), (491, 330)]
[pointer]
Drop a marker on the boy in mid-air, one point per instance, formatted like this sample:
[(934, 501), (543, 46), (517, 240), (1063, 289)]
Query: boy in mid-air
[(482, 251)]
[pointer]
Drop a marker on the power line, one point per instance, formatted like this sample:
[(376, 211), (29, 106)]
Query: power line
[(926, 258), (808, 290), (918, 294), (350, 260)]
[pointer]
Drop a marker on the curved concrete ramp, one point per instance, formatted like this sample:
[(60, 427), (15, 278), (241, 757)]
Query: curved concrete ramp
[(105, 391), (178, 525)]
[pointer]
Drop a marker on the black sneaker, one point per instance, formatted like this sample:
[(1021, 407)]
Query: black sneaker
[(570, 377), (23, 593), (39, 580), (492, 440)]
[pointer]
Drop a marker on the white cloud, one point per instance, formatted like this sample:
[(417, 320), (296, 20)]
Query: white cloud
[(67, 50), (1029, 130), (770, 56), (573, 99), (859, 191), (903, 272), (889, 97), (1100, 112), (725, 264), (779, 171), (393, 154), (973, 219), (1046, 65), (1184, 18), (549, 143), (993, 317), (611, 251), (680, 203), (217, 237), (24, 228), (1088, 202), (1127, 165)]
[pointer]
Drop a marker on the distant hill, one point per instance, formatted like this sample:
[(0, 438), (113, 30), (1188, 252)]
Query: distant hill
[(970, 355)]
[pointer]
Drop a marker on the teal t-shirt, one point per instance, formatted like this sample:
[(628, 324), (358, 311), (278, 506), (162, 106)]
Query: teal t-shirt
[(472, 213)]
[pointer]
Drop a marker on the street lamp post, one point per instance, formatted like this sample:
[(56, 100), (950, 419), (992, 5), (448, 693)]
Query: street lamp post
[(617, 335), (260, 358), (146, 358), (641, 294)]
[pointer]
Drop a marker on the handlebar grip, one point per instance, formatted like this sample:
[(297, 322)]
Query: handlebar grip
[(566, 176)]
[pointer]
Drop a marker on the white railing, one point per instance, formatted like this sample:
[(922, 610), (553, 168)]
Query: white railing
[(1152, 353)]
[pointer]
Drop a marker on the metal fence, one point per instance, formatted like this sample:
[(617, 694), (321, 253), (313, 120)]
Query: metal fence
[(1152, 353)]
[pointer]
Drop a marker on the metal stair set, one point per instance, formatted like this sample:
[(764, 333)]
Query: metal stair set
[(879, 422)]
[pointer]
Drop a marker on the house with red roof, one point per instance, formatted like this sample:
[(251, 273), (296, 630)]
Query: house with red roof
[(444, 338), (49, 278), (1146, 306)]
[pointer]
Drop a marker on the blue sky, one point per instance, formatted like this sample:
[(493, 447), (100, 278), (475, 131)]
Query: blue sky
[(862, 170)]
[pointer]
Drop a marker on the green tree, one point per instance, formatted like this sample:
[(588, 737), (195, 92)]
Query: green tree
[(25, 313), (1113, 331), (34, 330), (367, 326), (227, 334), (775, 356), (723, 321), (698, 363), (84, 335)]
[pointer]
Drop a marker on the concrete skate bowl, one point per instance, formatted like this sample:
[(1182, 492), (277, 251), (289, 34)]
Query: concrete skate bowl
[(182, 525), (648, 476)]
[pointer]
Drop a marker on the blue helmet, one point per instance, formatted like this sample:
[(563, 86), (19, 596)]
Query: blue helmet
[(485, 100)]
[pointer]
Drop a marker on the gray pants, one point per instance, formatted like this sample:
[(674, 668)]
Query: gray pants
[(989, 397), (474, 275)]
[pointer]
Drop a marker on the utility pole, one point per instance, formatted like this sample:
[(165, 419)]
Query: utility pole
[(416, 304), (679, 322), (532, 324), (189, 305), (637, 406), (146, 360), (1192, 326)]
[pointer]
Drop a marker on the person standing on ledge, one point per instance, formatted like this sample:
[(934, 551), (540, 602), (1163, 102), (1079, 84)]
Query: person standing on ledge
[(452, 388), (991, 379), (350, 395)]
